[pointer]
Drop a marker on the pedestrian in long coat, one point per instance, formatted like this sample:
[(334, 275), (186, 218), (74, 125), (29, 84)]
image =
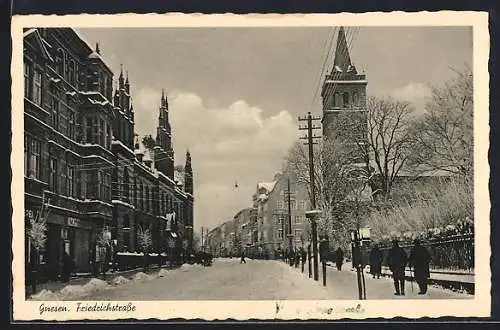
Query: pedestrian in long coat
[(419, 260), (67, 267), (397, 260), (375, 262), (339, 258)]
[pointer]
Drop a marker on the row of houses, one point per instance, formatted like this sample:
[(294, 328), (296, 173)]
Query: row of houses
[(81, 162), (274, 223)]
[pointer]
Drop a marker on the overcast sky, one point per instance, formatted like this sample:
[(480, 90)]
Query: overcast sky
[(235, 93)]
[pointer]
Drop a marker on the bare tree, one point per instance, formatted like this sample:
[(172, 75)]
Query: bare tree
[(37, 232), (388, 143), (145, 242), (444, 134), (333, 164)]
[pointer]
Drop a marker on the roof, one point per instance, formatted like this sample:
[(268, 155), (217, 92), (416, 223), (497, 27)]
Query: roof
[(35, 33), (268, 186)]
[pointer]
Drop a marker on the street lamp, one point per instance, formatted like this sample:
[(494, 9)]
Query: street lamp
[(312, 215)]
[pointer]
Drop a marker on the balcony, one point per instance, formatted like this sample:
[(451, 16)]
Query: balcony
[(34, 186)]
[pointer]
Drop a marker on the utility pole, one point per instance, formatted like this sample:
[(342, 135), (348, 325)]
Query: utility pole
[(310, 142), (290, 236)]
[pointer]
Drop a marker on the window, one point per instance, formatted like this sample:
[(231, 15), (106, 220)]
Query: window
[(101, 132), (37, 87), (298, 219), (298, 233), (356, 99), (88, 130), (140, 196), (60, 62), (69, 181), (71, 68), (107, 186), (280, 233), (55, 113), (53, 175), (125, 185), (31, 157), (338, 100), (71, 124), (126, 230), (63, 117), (147, 200), (27, 80), (95, 135), (108, 132), (100, 184), (345, 99), (293, 205), (280, 205), (302, 205), (26, 155)]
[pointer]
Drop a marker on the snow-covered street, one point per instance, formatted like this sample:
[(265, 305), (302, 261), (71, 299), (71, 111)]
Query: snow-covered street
[(227, 279)]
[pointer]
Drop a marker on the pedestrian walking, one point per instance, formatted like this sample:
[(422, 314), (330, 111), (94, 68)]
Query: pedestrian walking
[(339, 259), (242, 261), (375, 262), (419, 260), (397, 260), (67, 267)]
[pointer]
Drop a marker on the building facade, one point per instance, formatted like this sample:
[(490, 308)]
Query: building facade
[(80, 160)]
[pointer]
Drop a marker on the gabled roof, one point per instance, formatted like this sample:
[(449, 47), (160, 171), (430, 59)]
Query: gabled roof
[(268, 186), (34, 33)]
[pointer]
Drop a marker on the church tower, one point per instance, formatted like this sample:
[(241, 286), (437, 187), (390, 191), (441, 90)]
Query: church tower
[(123, 127), (188, 174), (344, 98), (164, 153)]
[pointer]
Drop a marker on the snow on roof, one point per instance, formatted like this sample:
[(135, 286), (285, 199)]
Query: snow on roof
[(268, 186)]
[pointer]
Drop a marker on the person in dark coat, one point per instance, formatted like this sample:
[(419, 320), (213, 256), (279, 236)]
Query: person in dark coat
[(67, 267), (397, 260), (242, 261), (419, 261), (339, 259), (375, 262)]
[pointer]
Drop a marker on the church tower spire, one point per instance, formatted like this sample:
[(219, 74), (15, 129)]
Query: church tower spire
[(342, 60), (344, 96), (164, 139), (188, 174)]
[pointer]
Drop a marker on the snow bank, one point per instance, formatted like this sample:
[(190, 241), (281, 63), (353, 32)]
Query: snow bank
[(120, 280), (162, 273), (141, 277), (95, 285), (72, 291), (186, 267), (45, 295)]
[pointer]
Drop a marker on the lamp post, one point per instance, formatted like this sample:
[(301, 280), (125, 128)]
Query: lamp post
[(313, 216), (357, 237)]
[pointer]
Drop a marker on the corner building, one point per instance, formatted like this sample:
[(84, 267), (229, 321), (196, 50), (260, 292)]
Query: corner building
[(80, 160)]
